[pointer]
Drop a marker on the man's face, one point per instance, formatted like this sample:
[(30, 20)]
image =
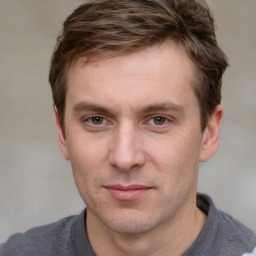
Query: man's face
[(133, 136)]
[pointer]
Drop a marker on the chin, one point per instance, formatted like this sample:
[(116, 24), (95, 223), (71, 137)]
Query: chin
[(130, 222)]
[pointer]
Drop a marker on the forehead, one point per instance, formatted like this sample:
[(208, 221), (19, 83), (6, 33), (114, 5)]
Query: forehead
[(155, 72)]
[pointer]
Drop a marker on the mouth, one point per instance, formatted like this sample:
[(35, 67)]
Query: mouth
[(127, 193)]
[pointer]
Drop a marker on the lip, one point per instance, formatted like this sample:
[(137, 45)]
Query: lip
[(127, 193)]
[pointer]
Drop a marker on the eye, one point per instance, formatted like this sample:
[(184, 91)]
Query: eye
[(96, 120), (158, 120), (96, 123)]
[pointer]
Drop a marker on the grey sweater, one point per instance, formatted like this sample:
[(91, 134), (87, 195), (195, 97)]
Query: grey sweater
[(221, 236)]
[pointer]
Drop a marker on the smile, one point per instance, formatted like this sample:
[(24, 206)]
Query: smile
[(127, 193)]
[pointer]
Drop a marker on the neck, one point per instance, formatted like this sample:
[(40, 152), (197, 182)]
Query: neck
[(175, 235)]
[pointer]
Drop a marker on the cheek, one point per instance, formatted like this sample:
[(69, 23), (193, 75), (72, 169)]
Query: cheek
[(87, 157), (175, 150), (86, 175), (177, 159), (86, 150)]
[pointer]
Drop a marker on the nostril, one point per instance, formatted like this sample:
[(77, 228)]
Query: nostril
[(125, 161)]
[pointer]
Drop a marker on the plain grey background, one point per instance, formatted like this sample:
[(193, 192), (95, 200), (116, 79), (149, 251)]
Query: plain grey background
[(36, 183)]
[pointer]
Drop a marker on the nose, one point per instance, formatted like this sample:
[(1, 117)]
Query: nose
[(126, 151)]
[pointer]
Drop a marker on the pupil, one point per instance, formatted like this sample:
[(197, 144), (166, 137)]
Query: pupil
[(159, 120), (97, 120)]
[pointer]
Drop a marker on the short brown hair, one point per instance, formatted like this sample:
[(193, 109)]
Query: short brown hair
[(113, 27)]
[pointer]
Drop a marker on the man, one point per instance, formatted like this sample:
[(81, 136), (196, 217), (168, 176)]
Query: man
[(136, 87)]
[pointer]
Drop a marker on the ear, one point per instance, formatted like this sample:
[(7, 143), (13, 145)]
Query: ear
[(211, 134), (61, 135)]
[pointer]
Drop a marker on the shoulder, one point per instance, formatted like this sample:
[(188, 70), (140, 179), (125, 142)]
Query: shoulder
[(236, 235), (222, 235), (51, 239)]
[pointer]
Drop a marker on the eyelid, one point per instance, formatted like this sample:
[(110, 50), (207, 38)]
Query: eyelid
[(167, 118), (87, 120), (159, 128)]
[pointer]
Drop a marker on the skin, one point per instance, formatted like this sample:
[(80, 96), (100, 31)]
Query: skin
[(133, 136)]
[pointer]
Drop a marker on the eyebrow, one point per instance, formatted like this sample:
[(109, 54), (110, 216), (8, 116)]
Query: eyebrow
[(85, 106), (165, 106)]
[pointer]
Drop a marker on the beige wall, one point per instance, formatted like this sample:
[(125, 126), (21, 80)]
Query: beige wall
[(36, 184)]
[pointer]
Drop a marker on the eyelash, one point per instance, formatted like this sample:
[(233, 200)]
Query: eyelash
[(90, 119), (104, 123), (164, 119), (100, 119)]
